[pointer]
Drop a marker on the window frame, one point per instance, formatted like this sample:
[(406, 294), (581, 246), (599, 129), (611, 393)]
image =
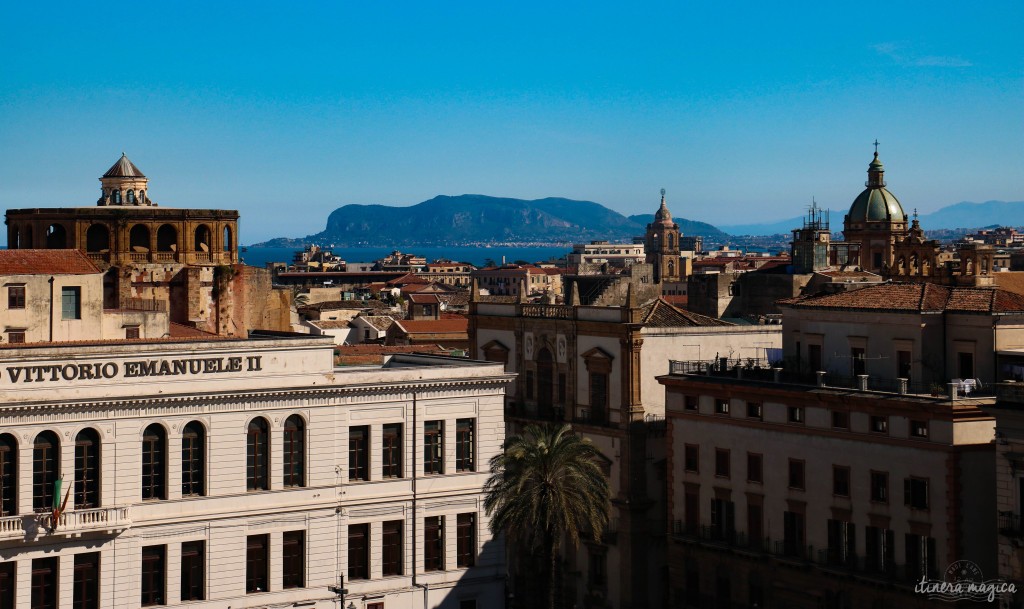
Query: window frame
[(359, 453), (433, 543), (154, 463), (840, 483), (758, 459), (433, 448), (359, 551), (465, 445), (294, 452), (257, 455), (193, 460), (465, 540), (88, 469), (193, 564), (257, 567), (16, 296), (391, 451), (293, 559), (797, 474), (70, 303), (392, 548), (723, 463), (154, 573)]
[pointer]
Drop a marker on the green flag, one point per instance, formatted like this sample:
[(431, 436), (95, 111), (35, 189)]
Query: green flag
[(56, 493)]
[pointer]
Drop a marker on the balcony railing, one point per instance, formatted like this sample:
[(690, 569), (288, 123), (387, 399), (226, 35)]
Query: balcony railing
[(89, 520), (12, 527), (1009, 524)]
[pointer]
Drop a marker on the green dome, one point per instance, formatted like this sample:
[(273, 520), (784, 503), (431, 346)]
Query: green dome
[(877, 205)]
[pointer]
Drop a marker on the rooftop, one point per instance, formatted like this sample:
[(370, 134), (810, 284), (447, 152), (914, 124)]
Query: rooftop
[(45, 262), (908, 297)]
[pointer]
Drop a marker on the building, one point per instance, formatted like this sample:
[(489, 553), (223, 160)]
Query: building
[(619, 255), (184, 259), (216, 472), (1009, 483), (796, 496), (595, 367), (514, 279)]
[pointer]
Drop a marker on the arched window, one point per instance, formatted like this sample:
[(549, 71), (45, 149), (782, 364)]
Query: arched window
[(193, 460), (545, 383), (28, 238), (227, 238), (166, 238), (87, 469), (294, 451), (56, 237), (131, 197), (257, 455), (45, 470), (8, 475), (671, 268), (671, 241), (202, 240), (117, 197), (97, 238), (138, 238), (154, 462)]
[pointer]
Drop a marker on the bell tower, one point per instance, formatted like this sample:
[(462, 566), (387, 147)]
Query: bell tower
[(661, 245), (124, 184)]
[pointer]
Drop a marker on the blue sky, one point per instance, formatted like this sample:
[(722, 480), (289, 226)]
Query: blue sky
[(285, 111)]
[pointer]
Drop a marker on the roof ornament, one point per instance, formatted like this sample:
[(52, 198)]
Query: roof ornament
[(876, 146)]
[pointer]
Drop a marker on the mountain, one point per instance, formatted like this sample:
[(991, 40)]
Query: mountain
[(478, 219), (960, 215), (972, 215), (689, 228)]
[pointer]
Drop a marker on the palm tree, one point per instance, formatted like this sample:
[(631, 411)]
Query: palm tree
[(299, 298), (545, 486)]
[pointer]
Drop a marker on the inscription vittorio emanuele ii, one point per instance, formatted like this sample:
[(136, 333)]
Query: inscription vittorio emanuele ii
[(132, 369)]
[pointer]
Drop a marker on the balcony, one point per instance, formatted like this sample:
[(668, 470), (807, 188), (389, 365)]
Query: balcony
[(78, 522), (1009, 524), (12, 527)]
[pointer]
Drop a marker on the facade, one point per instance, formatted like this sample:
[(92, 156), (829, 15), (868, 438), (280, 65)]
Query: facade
[(789, 495), (602, 252), (515, 280), (595, 367), (184, 261), (1009, 487), (245, 473)]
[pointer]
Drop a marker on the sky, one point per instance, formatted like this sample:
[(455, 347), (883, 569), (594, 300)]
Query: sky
[(742, 111)]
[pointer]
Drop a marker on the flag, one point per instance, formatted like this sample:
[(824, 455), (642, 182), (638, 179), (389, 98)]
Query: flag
[(56, 492)]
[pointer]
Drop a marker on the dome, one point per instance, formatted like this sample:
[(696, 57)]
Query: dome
[(876, 203), (123, 168), (663, 215)]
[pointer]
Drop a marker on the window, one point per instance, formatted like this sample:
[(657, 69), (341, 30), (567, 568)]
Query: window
[(15, 297), (131, 331), (691, 509), (880, 424), (257, 456), (814, 357), (879, 549), (880, 487), (561, 388), (256, 554), (722, 462), (193, 570), (154, 580), (193, 460), (392, 450), (754, 468), (466, 540), (965, 365), (433, 447), (690, 402), (794, 533), (294, 451), (691, 458), (755, 525), (433, 543), (795, 414), (723, 518), (16, 337), (598, 398), (754, 410), (293, 557), (8, 475), (919, 429), (358, 453), (915, 493), (392, 548), (840, 419), (8, 575), (597, 576), (358, 551), (87, 581), (721, 406), (842, 538), (465, 445), (840, 481), (45, 582), (70, 299), (920, 553), (857, 360), (154, 462), (796, 474), (45, 470), (87, 469), (903, 364)]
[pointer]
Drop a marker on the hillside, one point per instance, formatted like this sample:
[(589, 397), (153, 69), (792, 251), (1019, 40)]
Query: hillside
[(465, 219)]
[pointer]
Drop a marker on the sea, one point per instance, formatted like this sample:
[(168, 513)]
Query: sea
[(477, 256)]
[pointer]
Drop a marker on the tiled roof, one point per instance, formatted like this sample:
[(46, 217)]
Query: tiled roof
[(424, 298), (407, 279), (434, 326), (177, 330), (329, 324), (455, 298), (334, 305), (45, 262), (380, 322), (916, 297), (123, 168), (499, 298), (660, 314)]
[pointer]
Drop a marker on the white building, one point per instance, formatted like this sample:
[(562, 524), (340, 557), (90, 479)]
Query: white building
[(245, 473)]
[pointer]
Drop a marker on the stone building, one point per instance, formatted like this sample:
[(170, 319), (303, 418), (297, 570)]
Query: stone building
[(595, 367), (219, 472), (1009, 487), (183, 261)]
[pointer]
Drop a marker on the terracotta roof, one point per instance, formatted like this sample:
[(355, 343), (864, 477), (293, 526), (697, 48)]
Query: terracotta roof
[(425, 298), (123, 168), (374, 349), (407, 279), (455, 298), (660, 314), (46, 262), (177, 330), (916, 297), (334, 305), (329, 324), (434, 326), (676, 300), (380, 322), (498, 298)]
